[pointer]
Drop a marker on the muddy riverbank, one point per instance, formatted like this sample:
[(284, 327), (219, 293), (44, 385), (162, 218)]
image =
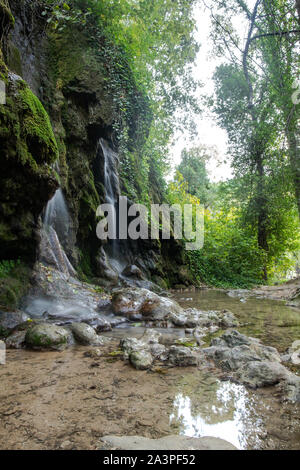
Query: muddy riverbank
[(68, 400)]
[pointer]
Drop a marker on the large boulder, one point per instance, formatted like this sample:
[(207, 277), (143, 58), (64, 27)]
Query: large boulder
[(240, 344), (84, 334), (142, 303), (253, 363), (262, 373), (192, 318), (47, 336)]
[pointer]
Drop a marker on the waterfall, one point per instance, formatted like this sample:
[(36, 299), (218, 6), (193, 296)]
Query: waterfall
[(112, 193), (57, 216), (55, 233)]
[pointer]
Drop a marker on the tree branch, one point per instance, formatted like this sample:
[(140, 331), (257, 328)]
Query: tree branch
[(276, 33)]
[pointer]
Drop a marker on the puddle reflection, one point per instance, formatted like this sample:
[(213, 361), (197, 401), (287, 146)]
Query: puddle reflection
[(224, 410)]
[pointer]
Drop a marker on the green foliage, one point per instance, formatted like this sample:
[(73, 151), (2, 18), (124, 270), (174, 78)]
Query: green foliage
[(6, 266), (144, 50), (14, 283), (193, 169)]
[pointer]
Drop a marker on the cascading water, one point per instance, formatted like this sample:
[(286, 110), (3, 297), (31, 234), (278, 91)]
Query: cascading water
[(55, 232), (112, 192), (57, 216)]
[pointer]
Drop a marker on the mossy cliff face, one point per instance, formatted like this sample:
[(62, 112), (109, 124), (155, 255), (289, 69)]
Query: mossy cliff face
[(60, 102), (27, 150)]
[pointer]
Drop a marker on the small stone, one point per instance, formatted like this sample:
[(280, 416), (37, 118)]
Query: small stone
[(141, 360), (183, 357)]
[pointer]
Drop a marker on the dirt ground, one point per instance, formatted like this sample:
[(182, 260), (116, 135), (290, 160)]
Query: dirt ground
[(285, 291), (65, 400), (55, 400)]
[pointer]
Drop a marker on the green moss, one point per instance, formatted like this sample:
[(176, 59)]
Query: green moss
[(36, 127), (186, 343), (7, 19), (14, 286), (4, 333), (14, 59)]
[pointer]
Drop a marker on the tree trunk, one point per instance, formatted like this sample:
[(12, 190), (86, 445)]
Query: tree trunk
[(294, 153), (298, 9), (262, 212)]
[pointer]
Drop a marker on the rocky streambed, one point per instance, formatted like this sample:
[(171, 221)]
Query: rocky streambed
[(82, 365)]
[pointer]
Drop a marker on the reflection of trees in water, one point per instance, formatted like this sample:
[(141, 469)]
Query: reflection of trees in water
[(204, 404)]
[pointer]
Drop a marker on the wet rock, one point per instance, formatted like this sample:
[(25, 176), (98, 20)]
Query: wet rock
[(292, 355), (233, 338), (47, 336), (9, 320), (159, 352), (102, 324), (231, 359), (228, 319), (141, 360), (290, 388), (130, 345), (262, 373), (104, 270), (16, 340), (166, 443), (192, 318), (233, 349), (52, 253), (84, 334), (151, 306), (253, 363), (200, 333), (115, 321), (183, 357), (151, 336), (239, 293), (133, 271), (242, 345)]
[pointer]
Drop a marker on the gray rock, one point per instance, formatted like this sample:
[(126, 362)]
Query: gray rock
[(141, 360), (233, 338), (16, 340), (290, 388), (84, 334), (166, 443), (183, 357), (151, 336), (9, 320), (242, 347), (133, 271), (262, 373), (129, 345), (159, 352), (133, 302), (231, 359), (47, 336), (192, 318)]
